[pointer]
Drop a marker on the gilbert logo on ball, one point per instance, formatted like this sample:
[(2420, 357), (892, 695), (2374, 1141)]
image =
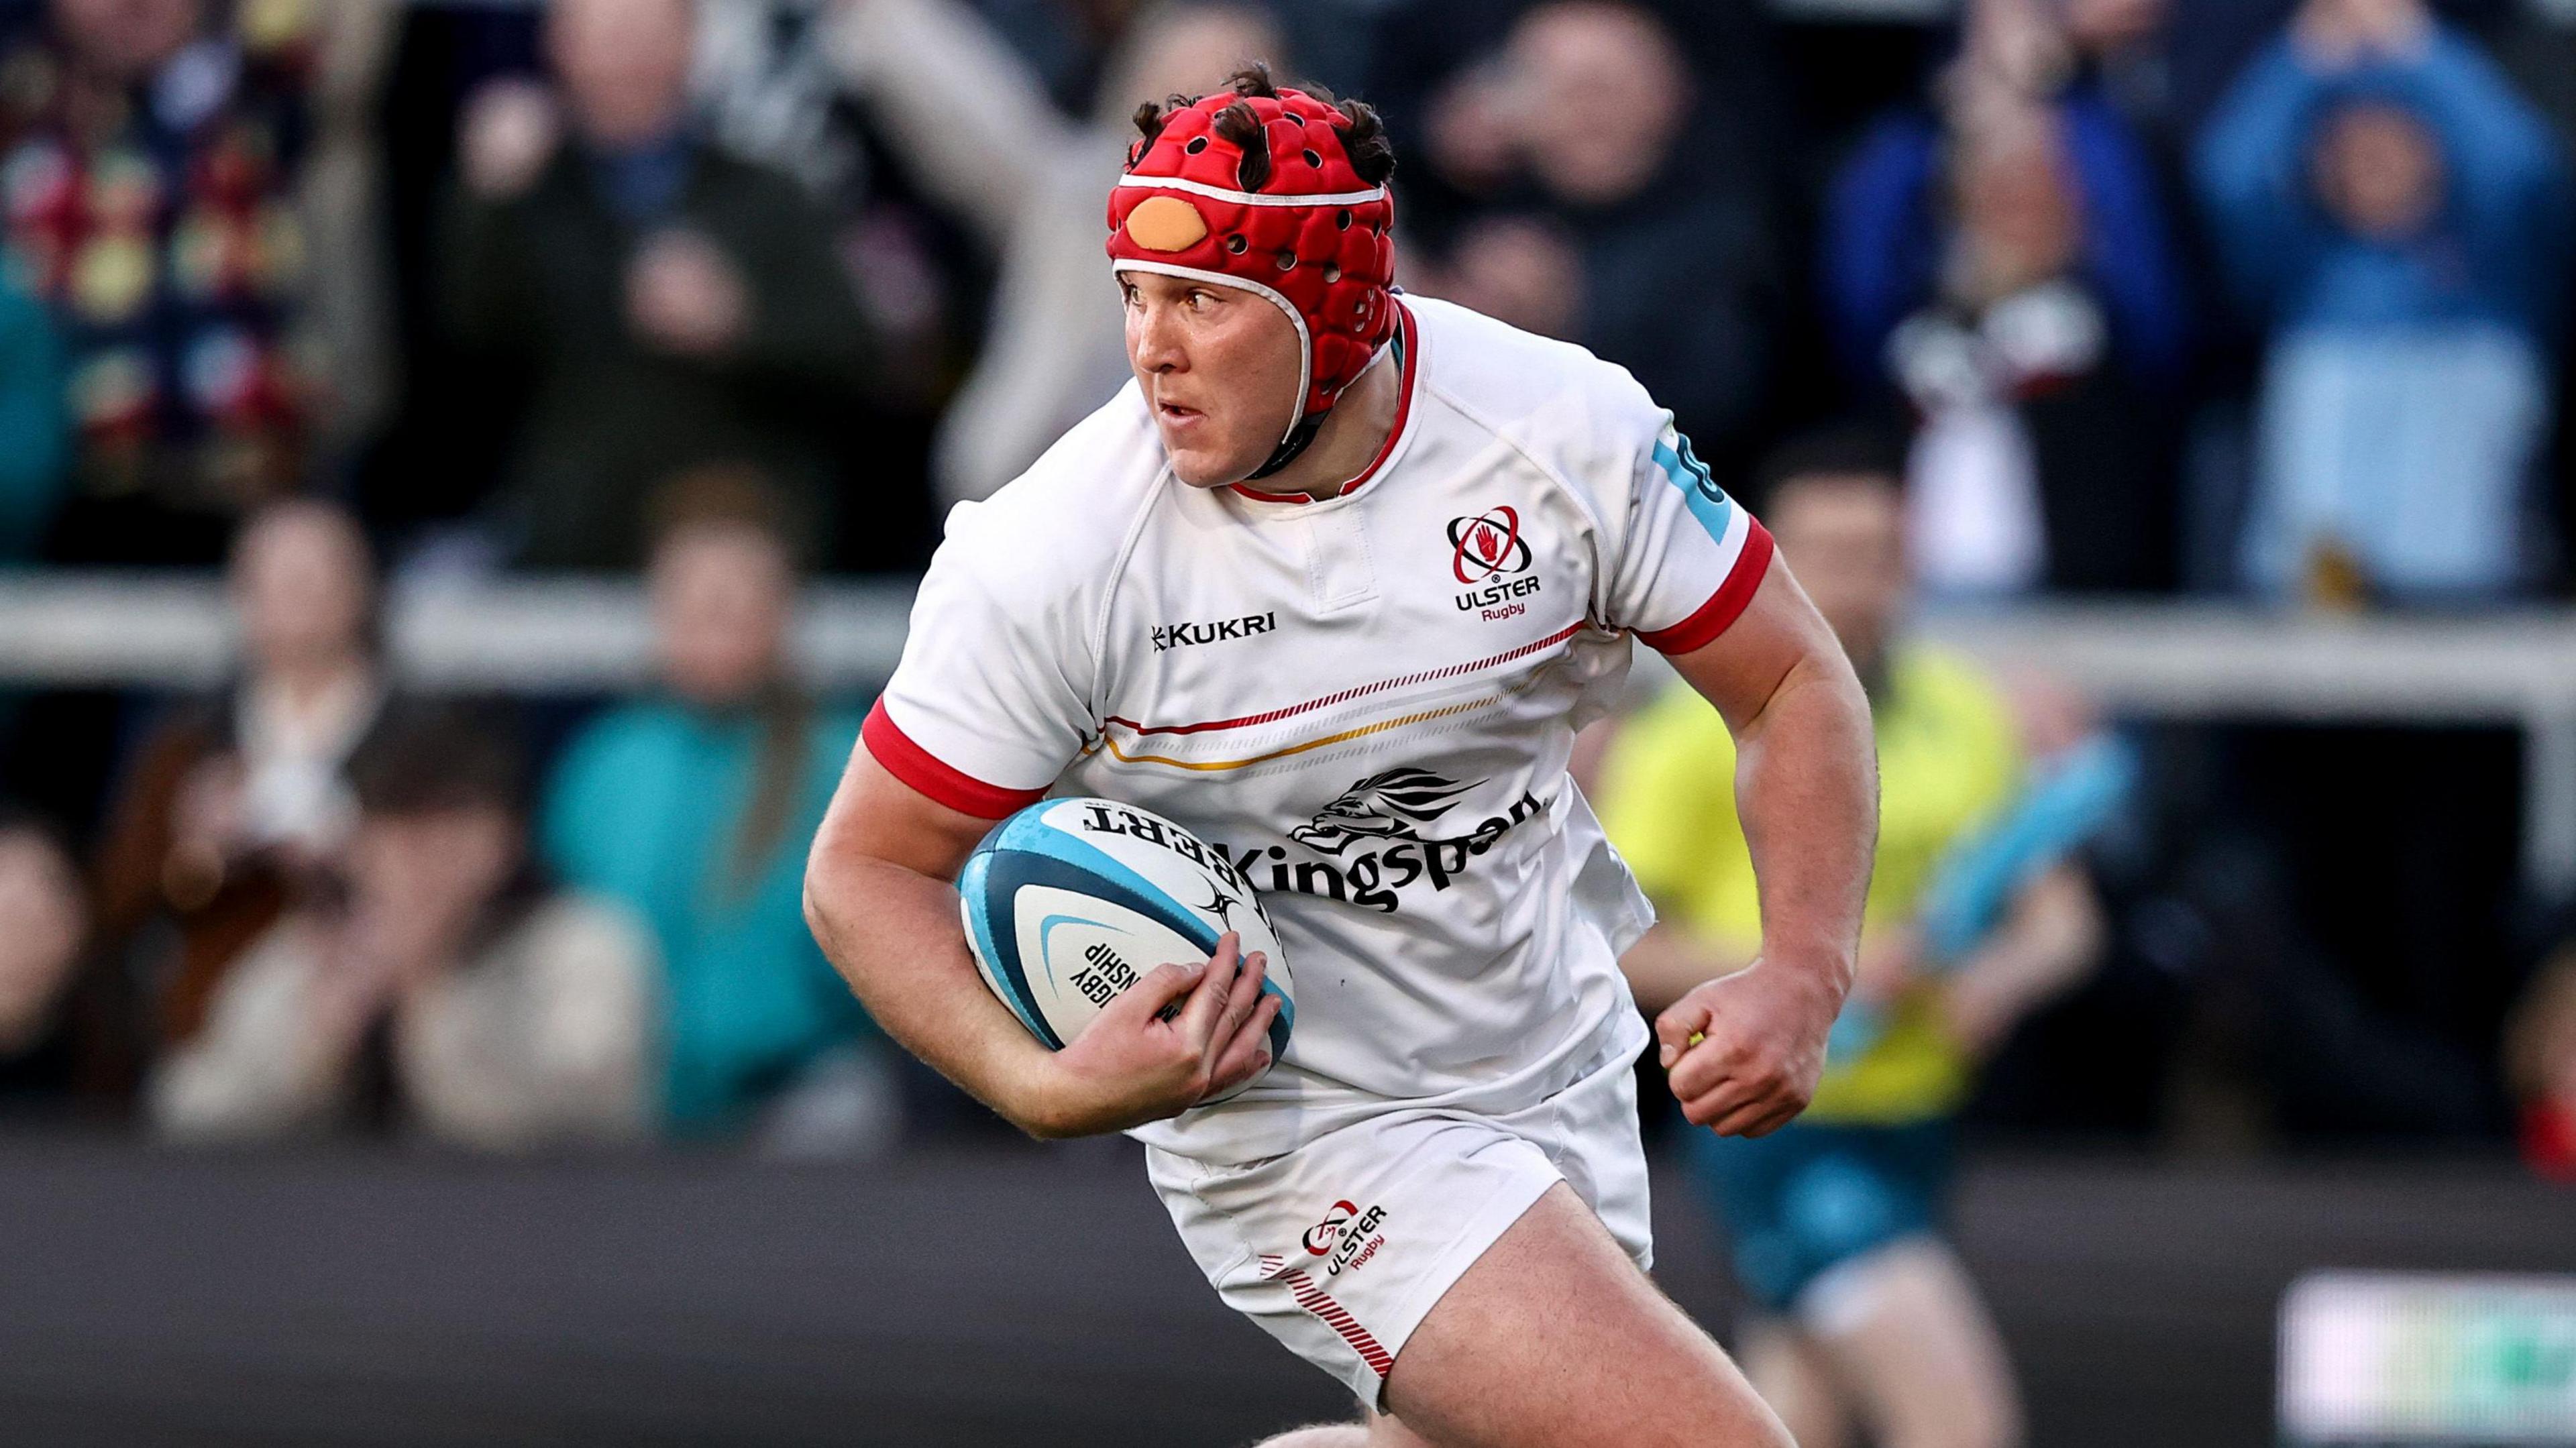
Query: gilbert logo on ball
[(1070, 902)]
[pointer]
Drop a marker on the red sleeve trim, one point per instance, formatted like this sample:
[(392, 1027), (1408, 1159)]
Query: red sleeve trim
[(924, 771), (1724, 606)]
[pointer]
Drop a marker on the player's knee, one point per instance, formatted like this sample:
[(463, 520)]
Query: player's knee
[(1324, 1435)]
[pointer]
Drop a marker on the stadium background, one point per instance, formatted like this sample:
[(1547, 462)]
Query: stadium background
[(372, 255)]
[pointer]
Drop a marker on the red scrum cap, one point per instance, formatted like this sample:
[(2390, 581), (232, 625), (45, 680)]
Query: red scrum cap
[(1255, 187)]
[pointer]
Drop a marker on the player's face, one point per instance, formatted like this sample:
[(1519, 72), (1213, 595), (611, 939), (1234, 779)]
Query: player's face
[(1219, 369)]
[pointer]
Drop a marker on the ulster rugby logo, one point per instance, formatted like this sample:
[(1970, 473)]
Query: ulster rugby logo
[(1487, 546), (1324, 1235), (1347, 1235), (1488, 554)]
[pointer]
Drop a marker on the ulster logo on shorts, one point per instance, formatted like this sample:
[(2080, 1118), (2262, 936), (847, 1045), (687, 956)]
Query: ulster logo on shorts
[(1347, 1236), (1325, 1235), (1488, 554)]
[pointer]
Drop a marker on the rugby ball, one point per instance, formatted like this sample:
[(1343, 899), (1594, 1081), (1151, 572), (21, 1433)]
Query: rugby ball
[(1071, 901)]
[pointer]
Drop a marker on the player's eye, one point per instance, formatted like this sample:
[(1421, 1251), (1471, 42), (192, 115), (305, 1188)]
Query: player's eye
[(1201, 301)]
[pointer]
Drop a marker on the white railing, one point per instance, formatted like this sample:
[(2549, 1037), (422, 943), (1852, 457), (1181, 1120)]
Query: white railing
[(551, 636), (2170, 661)]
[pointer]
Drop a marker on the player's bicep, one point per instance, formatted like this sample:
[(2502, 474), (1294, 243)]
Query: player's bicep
[(1743, 667), (875, 816)]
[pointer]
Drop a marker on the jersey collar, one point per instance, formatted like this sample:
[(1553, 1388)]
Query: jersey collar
[(1407, 346)]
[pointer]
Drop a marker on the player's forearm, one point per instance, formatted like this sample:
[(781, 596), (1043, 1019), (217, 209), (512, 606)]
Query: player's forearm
[(1807, 790), (893, 934)]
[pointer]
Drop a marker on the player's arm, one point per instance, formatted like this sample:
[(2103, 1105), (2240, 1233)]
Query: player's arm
[(1806, 788), (879, 897)]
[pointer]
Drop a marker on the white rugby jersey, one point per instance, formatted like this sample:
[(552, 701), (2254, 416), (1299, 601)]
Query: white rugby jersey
[(1366, 703)]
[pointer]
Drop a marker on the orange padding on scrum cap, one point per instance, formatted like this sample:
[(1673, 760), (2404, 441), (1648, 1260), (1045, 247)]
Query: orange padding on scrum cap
[(1165, 223)]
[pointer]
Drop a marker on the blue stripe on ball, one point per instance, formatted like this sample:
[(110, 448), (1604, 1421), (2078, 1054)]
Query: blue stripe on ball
[(1027, 834), (975, 885)]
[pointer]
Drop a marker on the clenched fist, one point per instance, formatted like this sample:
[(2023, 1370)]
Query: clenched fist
[(1744, 1051)]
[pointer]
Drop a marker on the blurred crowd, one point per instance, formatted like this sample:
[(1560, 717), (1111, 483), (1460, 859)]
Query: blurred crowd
[(2256, 299)]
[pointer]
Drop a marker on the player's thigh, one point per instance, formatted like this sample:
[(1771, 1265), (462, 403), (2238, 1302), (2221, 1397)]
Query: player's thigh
[(1554, 1338)]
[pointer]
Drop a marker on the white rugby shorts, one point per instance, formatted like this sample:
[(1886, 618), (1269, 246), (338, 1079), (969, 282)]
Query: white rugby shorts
[(1340, 1248)]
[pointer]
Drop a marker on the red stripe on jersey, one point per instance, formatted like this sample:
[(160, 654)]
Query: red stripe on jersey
[(1724, 606), (1363, 691), (931, 777), (1407, 347)]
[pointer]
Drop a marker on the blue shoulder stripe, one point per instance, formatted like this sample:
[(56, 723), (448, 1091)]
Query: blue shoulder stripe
[(1707, 501)]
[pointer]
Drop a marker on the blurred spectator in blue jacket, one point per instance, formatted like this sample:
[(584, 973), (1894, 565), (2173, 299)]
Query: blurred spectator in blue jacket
[(2396, 217), (34, 429), (696, 808), (2003, 264)]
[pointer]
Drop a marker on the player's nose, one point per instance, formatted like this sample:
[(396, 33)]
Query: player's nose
[(1154, 338)]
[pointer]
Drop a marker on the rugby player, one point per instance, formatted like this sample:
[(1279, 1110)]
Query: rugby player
[(1333, 584)]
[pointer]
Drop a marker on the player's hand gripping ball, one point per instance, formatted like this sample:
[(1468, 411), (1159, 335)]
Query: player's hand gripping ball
[(1071, 901)]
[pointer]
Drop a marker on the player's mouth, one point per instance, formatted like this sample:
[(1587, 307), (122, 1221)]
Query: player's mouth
[(1175, 415)]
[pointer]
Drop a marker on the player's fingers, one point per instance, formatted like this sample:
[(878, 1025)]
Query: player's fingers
[(1704, 1067), (1682, 1020), (1243, 996), (1248, 1054), (1216, 985), (1768, 1124), (1710, 1107), (1754, 1096), (1722, 1093), (1754, 1118), (1156, 990)]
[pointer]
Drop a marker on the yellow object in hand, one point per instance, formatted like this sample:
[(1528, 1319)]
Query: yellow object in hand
[(1696, 1038)]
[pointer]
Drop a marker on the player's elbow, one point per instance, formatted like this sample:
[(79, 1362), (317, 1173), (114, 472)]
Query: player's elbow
[(826, 884), (814, 916)]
